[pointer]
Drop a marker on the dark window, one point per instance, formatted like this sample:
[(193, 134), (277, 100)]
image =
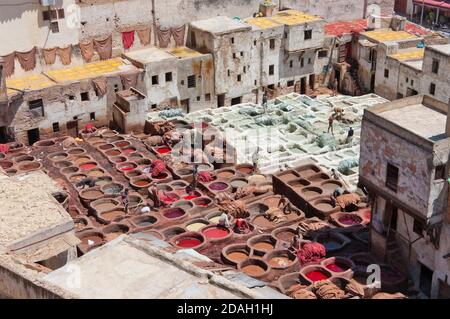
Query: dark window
[(271, 86), (228, 72), (323, 53), (254, 43), (198, 98), (33, 136), (207, 97), (308, 34), (169, 77), (426, 277), (245, 69), (407, 80), (412, 82), (54, 26), (236, 100), (291, 64), (435, 66), (256, 82), (392, 177), (386, 73), (116, 87), (432, 88), (220, 100), (302, 62), (272, 43), (84, 96), (46, 15), (92, 116), (242, 53), (155, 80), (232, 40), (418, 227), (309, 61), (191, 81), (271, 69), (55, 127), (61, 14), (285, 35), (439, 172), (182, 82), (234, 55), (71, 97), (239, 78), (154, 106), (290, 83), (37, 107), (54, 14)]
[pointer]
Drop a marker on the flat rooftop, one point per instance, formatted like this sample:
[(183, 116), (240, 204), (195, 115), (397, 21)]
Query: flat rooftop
[(293, 17), (149, 55), (409, 55), (346, 27), (417, 118), (263, 23), (72, 74), (28, 211), (441, 48), (388, 35), (184, 53), (220, 25)]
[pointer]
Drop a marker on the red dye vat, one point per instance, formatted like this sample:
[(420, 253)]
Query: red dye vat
[(126, 168), (174, 213), (128, 150), (189, 197), (188, 242), (336, 267), (216, 232), (219, 186), (350, 219), (88, 166), (169, 198), (163, 150), (316, 276)]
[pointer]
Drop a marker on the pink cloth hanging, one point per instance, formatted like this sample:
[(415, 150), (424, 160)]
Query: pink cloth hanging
[(128, 39)]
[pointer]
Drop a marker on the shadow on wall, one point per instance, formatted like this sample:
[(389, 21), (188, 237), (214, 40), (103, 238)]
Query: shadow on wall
[(14, 9)]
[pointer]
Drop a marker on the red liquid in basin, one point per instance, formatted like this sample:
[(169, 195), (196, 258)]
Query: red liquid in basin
[(188, 242), (163, 150), (215, 232), (174, 213), (350, 220), (316, 276), (126, 168), (336, 267), (218, 186), (88, 166), (189, 197)]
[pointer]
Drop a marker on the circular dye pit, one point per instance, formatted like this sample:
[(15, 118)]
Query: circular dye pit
[(190, 197), (330, 186), (245, 169), (262, 222), (161, 176), (122, 144), (216, 232), (284, 234), (331, 244), (91, 194), (310, 192), (103, 180), (185, 205), (128, 150), (88, 165), (191, 240), (226, 174), (238, 183), (218, 186), (24, 158), (58, 156), (254, 267), (113, 231), (350, 219), (173, 213), (44, 143), (29, 166), (90, 240), (81, 159), (196, 226), (202, 201), (80, 224), (317, 275), (126, 167), (112, 188), (337, 267), (141, 182), (5, 164), (280, 262), (163, 150), (77, 177), (237, 256), (69, 170), (113, 152), (104, 204), (265, 246), (105, 147), (76, 151), (62, 164), (324, 205), (169, 198), (113, 214)]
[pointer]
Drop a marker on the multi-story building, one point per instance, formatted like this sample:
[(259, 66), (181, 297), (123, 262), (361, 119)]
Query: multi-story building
[(405, 148)]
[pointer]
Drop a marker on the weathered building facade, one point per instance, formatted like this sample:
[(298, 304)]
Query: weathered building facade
[(404, 167)]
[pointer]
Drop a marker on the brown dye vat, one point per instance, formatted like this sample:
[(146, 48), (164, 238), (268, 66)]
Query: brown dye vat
[(90, 240), (254, 267), (262, 243), (226, 174), (117, 159), (280, 259), (109, 134), (310, 192), (104, 204), (113, 152), (82, 159), (75, 178), (58, 156), (122, 144), (324, 205), (202, 201), (91, 194), (103, 180), (262, 222), (141, 182), (69, 170), (24, 158), (112, 215), (62, 164), (5, 164), (298, 184), (105, 147), (330, 186), (237, 256), (133, 173), (171, 232), (319, 178), (80, 223), (96, 172), (29, 166), (245, 169), (179, 184), (263, 246), (44, 143), (113, 231), (285, 234), (308, 170), (94, 139), (76, 151), (288, 176)]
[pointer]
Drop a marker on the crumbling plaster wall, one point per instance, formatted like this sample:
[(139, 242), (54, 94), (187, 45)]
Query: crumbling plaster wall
[(380, 147), (163, 90), (295, 39), (408, 78), (441, 79)]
